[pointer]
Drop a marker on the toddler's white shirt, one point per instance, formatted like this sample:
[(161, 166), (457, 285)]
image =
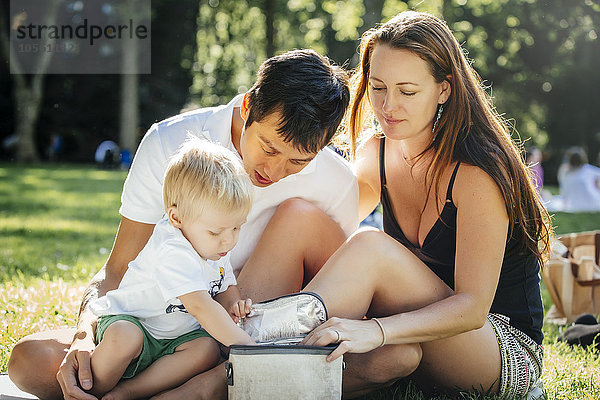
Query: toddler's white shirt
[(166, 268)]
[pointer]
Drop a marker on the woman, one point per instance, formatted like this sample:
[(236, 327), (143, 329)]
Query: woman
[(454, 278), (579, 182)]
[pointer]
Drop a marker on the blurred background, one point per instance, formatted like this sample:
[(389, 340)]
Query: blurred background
[(539, 59)]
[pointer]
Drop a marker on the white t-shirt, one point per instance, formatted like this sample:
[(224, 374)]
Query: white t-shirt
[(327, 181), (166, 268), (579, 189)]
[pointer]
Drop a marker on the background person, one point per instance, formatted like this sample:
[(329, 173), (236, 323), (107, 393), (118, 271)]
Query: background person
[(107, 154), (454, 278), (305, 205), (579, 182)]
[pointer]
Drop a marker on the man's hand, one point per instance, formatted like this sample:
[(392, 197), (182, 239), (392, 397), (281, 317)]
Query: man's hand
[(75, 374), (240, 309)]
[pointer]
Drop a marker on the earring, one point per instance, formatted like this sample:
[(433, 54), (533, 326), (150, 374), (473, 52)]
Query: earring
[(437, 118), (377, 127)]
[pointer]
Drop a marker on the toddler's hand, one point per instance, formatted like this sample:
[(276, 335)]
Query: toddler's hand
[(240, 309)]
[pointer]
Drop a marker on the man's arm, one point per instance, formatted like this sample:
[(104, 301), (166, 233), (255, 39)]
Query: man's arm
[(130, 239)]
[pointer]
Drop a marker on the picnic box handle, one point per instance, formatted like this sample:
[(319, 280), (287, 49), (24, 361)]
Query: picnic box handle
[(229, 372)]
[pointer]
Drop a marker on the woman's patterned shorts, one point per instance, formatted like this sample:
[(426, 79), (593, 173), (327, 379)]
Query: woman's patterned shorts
[(522, 358)]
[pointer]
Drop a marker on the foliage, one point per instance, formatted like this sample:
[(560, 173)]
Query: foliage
[(542, 58), (232, 39), (84, 109)]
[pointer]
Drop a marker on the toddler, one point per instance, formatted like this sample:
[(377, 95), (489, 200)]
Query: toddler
[(156, 329)]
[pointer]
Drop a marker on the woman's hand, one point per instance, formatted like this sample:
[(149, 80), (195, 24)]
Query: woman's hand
[(353, 336)]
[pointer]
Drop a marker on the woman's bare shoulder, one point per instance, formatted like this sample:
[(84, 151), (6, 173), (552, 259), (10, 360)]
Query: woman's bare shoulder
[(367, 159), (473, 184)]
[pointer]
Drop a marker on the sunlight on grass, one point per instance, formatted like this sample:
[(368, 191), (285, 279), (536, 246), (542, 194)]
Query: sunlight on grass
[(571, 370), (34, 308), (56, 221)]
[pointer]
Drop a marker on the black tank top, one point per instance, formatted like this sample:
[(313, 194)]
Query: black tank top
[(518, 294)]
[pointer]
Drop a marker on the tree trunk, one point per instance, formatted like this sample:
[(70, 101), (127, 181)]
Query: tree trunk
[(130, 113), (27, 105), (27, 95), (270, 27), (129, 120)]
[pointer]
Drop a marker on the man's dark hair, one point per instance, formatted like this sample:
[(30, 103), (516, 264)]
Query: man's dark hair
[(311, 93)]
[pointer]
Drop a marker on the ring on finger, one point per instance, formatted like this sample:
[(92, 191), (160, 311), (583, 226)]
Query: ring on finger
[(339, 338)]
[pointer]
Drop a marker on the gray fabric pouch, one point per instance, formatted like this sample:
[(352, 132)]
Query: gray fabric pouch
[(286, 319)]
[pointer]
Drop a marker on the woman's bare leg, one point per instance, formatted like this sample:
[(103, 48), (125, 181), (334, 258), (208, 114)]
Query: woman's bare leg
[(371, 274), (35, 359)]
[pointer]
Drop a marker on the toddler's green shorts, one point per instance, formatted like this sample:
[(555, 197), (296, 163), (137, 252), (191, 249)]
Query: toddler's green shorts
[(153, 348)]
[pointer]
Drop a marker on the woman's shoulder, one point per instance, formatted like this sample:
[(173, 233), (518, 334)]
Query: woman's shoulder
[(367, 159), (591, 169), (473, 184), (369, 147)]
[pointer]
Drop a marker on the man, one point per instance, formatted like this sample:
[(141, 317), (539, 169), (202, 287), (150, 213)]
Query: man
[(305, 205)]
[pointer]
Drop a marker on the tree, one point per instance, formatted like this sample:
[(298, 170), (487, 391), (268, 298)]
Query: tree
[(235, 36), (129, 113), (541, 58), (28, 91)]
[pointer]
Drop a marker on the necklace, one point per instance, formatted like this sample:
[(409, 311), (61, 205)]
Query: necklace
[(411, 161)]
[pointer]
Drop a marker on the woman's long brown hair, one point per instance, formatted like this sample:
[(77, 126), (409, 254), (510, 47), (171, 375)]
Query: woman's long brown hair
[(469, 130)]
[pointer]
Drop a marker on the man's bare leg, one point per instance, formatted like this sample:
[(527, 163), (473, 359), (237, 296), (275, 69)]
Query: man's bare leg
[(211, 384), (296, 243), (35, 360)]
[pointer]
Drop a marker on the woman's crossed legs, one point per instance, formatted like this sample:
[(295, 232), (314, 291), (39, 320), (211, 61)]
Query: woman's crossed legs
[(373, 275)]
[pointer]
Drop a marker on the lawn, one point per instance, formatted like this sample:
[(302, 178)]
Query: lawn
[(57, 224)]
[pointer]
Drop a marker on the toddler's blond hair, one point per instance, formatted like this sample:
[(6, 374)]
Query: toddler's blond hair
[(205, 175)]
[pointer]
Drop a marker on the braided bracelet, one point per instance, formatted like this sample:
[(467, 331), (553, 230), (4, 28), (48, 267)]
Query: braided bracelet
[(382, 331)]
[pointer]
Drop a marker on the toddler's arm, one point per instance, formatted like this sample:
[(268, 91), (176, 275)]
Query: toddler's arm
[(213, 317)]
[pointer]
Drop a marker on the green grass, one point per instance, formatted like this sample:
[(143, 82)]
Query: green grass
[(56, 221), (57, 224), (578, 222)]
